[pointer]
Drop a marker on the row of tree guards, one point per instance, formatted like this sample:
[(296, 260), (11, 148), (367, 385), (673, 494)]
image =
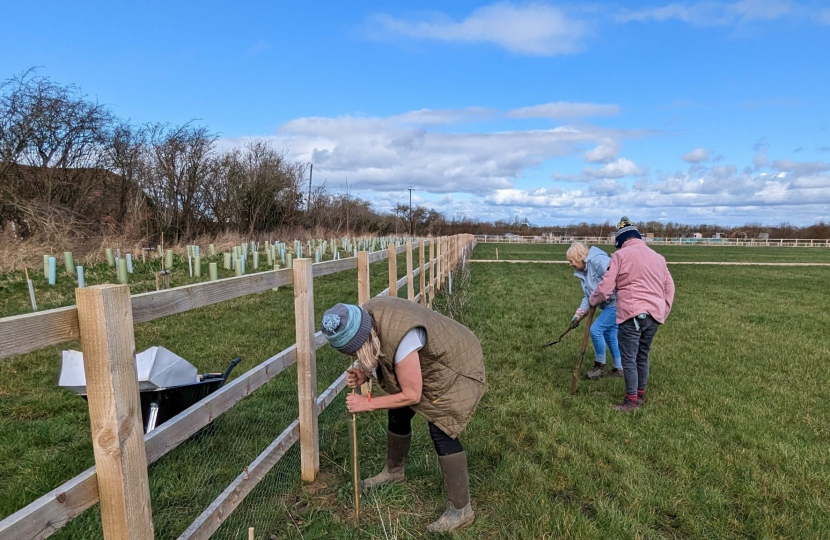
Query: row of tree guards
[(239, 259)]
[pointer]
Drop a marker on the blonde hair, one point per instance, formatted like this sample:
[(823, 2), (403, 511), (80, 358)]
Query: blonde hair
[(577, 252), (369, 353)]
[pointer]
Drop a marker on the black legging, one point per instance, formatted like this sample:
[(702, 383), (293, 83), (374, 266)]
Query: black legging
[(400, 423)]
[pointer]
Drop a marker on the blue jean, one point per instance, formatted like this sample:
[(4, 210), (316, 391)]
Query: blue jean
[(604, 330)]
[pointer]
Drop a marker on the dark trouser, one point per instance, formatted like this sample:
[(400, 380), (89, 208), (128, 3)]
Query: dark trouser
[(400, 423), (635, 345)]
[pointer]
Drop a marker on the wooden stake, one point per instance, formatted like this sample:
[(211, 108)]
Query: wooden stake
[(363, 292), (250, 533), (306, 368), (355, 465), (362, 277), (421, 271), (410, 279), (31, 290), (431, 271), (393, 271), (438, 263), (105, 322)]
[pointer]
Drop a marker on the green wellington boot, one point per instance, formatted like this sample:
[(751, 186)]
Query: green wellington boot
[(459, 513), (397, 448)]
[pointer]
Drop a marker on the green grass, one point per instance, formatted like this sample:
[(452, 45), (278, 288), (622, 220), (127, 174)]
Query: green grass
[(732, 442), (547, 252)]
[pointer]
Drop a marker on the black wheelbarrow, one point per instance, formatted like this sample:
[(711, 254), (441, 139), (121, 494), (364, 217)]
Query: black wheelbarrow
[(159, 406), (167, 383)]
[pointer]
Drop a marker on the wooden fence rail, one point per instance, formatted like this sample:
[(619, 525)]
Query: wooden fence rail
[(667, 241), (33, 331), (55, 509)]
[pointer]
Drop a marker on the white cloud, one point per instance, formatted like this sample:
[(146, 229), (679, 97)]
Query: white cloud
[(698, 155), (604, 153), (824, 16), (444, 116), (531, 29), (565, 109), (715, 195), (800, 168), (484, 175), (709, 13), (385, 153), (617, 169)]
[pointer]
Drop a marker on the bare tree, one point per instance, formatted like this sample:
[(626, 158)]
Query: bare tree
[(179, 161), (52, 139), (125, 152)]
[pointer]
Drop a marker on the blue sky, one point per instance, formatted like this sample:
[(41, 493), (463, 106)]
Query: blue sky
[(701, 111)]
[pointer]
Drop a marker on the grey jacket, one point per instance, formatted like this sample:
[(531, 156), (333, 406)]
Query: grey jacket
[(596, 263)]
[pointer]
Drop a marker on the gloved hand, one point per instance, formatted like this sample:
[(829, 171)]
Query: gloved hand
[(574, 323)]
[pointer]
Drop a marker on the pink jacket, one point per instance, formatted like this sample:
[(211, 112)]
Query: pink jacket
[(642, 280)]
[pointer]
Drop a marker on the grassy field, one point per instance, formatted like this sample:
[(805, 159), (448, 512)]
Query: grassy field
[(732, 443), (547, 252)]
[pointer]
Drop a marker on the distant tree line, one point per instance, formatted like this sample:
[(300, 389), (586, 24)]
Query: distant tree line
[(69, 166)]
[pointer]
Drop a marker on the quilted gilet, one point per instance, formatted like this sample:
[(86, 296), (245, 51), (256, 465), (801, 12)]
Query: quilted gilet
[(452, 363)]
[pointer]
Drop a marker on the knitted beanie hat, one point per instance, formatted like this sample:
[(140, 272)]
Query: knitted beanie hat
[(346, 327), (625, 230)]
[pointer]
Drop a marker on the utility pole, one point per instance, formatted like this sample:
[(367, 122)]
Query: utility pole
[(310, 174), (410, 211)]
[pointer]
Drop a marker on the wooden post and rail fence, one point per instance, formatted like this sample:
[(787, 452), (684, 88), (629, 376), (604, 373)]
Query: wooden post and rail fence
[(103, 320), (658, 241)]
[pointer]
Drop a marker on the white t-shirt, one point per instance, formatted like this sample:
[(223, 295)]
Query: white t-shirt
[(412, 341)]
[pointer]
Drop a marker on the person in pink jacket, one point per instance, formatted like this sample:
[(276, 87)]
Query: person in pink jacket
[(645, 292)]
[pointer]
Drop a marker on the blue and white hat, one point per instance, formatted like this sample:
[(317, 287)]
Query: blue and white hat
[(625, 230), (346, 327)]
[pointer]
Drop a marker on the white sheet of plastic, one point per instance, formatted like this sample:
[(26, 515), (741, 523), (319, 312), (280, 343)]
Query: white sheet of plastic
[(156, 368)]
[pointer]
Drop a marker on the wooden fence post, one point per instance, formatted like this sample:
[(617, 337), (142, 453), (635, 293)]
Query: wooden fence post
[(444, 259), (393, 271), (431, 270), (306, 368), (421, 271), (362, 277), (410, 279), (105, 321), (438, 270)]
